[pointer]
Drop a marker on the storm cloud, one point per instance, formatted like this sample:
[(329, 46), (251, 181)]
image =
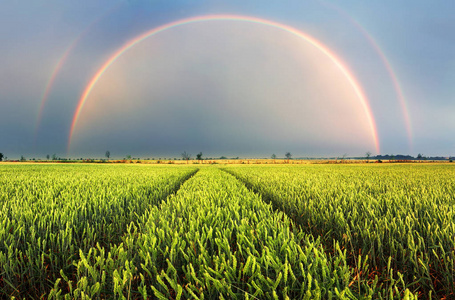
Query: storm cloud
[(225, 87)]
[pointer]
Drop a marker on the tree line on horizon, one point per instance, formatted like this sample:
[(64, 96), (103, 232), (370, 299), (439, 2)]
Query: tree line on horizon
[(187, 156)]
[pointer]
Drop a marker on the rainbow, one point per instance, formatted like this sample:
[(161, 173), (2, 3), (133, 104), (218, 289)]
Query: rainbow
[(345, 71), (387, 65), (51, 80), (61, 62)]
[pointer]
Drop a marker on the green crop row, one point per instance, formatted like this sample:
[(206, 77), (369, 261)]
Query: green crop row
[(52, 215), (398, 217), (214, 239), (140, 232)]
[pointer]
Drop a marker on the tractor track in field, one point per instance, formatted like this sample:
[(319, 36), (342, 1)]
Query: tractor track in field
[(114, 243), (269, 199), (297, 226), (328, 243), (173, 191), (177, 187)]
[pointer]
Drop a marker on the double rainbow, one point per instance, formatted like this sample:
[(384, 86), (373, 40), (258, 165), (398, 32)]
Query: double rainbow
[(321, 47), (62, 61), (386, 63)]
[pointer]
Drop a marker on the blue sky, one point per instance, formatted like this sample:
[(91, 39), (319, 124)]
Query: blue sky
[(226, 88)]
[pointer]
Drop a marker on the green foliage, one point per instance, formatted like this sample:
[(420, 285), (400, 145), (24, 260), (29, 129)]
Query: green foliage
[(52, 216), (399, 219), (212, 239), (173, 232)]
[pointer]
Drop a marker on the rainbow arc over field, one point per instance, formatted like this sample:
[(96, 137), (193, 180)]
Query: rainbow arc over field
[(62, 61), (396, 84), (314, 42), (393, 77)]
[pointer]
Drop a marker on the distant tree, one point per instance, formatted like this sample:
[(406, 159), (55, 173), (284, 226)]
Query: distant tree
[(199, 156), (273, 157), (1, 156), (54, 156), (128, 157), (186, 156), (23, 158), (420, 156), (343, 157), (108, 154), (367, 155), (47, 157), (288, 155)]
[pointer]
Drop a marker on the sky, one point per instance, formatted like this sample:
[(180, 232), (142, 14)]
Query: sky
[(250, 78)]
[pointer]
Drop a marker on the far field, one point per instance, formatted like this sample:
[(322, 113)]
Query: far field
[(200, 231)]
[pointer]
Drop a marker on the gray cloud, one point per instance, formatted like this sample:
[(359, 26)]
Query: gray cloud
[(223, 88)]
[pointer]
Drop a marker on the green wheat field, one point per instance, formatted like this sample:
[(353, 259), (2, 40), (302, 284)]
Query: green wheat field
[(351, 231)]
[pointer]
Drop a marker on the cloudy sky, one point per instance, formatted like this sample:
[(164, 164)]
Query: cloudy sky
[(234, 78)]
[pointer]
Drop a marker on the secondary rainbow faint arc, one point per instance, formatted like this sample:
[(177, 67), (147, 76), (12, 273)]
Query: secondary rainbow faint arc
[(51, 80), (396, 84), (385, 61), (355, 85), (61, 62)]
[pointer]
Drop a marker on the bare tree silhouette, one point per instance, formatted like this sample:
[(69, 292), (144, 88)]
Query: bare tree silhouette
[(186, 156), (367, 156)]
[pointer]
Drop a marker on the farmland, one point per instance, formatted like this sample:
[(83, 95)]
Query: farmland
[(207, 232)]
